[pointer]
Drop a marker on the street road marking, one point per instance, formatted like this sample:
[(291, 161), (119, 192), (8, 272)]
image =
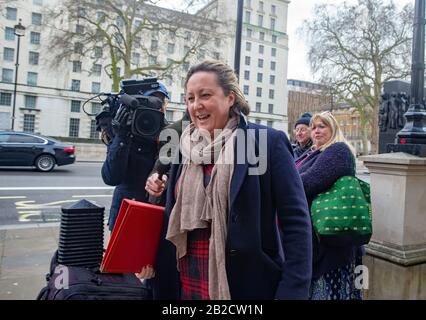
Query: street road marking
[(19, 197), (55, 188), (94, 196), (32, 205)]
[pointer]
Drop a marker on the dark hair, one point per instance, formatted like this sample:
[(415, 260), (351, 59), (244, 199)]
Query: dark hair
[(226, 78)]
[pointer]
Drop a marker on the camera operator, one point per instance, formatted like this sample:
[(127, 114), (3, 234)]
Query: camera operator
[(130, 158)]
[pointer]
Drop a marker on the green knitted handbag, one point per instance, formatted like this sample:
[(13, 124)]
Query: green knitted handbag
[(342, 214)]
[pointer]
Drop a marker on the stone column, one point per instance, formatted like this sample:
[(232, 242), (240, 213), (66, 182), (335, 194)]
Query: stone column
[(397, 251)]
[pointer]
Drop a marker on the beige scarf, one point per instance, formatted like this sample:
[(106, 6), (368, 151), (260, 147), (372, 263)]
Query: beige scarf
[(196, 207)]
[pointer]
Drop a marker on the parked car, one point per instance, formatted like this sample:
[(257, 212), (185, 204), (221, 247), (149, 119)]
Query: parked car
[(28, 149)]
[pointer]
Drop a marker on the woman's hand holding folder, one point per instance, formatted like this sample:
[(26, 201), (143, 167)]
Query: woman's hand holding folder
[(147, 272)]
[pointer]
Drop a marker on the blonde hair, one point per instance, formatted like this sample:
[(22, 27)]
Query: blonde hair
[(226, 79), (336, 133)]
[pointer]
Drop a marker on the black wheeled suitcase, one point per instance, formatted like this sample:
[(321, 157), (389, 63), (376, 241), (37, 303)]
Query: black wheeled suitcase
[(80, 283)]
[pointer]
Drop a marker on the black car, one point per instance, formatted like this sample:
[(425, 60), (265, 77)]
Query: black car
[(27, 149)]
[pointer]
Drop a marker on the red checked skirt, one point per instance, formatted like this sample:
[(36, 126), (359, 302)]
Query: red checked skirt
[(194, 266)]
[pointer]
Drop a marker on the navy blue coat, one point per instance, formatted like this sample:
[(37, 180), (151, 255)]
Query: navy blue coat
[(259, 264), (127, 166), (319, 172)]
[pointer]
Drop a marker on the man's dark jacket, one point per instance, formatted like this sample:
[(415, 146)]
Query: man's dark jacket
[(128, 164)]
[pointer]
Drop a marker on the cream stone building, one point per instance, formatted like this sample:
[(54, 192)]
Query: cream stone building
[(50, 100)]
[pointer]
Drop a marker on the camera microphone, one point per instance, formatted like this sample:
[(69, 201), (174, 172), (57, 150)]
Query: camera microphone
[(129, 100)]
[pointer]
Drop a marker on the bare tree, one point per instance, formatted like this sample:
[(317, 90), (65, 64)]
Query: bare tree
[(129, 32), (356, 48)]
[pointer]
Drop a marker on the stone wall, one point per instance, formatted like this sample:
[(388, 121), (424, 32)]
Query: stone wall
[(90, 151), (390, 281)]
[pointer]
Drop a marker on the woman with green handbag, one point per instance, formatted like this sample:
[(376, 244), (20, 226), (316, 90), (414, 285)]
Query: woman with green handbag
[(330, 158)]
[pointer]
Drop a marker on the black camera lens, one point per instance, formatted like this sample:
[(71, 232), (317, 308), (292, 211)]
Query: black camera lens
[(147, 122)]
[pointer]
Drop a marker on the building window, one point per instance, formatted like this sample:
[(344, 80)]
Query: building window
[(274, 52), (248, 17), (7, 75), (98, 52), (152, 60), (5, 99), (93, 133), (74, 127), (246, 75), (35, 37), (270, 123), (247, 61), (271, 94), (216, 55), (11, 13), (33, 58), (170, 48), (75, 85), (154, 45), (96, 107), (75, 105), (249, 33), (201, 54), (247, 3), (273, 21), (8, 54), (258, 107), (260, 63), (261, 6), (272, 79), (182, 98), (9, 33), (262, 36), (169, 115), (259, 77), (274, 38), (246, 90), (32, 78), (78, 48), (260, 20), (96, 87), (38, 2), (270, 108), (36, 19), (76, 66), (248, 46), (187, 36), (273, 65), (30, 101), (273, 9), (258, 92), (97, 69), (261, 49), (29, 121), (185, 66), (135, 58), (79, 29)]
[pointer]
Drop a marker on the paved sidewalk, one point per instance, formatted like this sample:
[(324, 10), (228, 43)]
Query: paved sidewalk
[(25, 254)]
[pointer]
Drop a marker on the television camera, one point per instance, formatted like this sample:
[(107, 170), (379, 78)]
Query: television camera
[(130, 110)]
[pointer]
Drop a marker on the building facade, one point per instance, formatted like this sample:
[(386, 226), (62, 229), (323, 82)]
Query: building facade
[(304, 96), (50, 100), (310, 97)]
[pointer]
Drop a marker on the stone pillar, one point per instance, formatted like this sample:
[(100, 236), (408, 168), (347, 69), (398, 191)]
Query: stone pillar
[(397, 251)]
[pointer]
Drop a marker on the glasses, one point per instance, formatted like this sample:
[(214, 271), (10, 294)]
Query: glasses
[(301, 130)]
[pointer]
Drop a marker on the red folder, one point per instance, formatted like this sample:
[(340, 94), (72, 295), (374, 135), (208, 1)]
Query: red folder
[(135, 238)]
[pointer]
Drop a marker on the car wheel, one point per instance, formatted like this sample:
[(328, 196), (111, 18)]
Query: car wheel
[(45, 163)]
